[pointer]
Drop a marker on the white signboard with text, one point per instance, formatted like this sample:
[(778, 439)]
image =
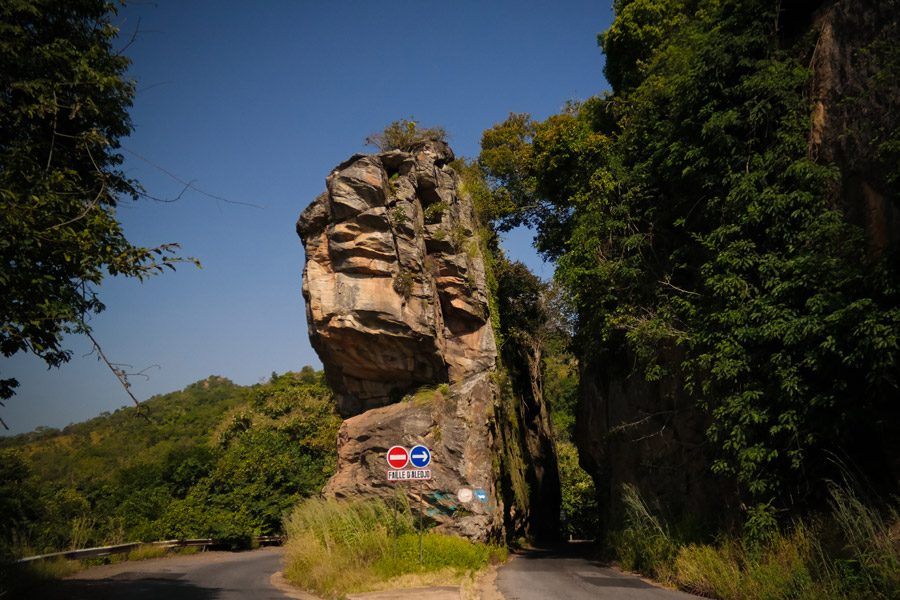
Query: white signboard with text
[(399, 457)]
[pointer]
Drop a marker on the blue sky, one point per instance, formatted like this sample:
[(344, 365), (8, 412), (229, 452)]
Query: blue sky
[(256, 103)]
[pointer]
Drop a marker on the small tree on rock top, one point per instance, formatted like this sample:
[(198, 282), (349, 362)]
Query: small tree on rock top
[(403, 134)]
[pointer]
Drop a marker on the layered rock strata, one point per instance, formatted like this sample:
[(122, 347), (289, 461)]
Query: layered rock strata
[(397, 309), (394, 279)]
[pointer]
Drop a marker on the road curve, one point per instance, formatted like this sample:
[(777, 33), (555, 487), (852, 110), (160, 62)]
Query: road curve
[(204, 576), (565, 573)]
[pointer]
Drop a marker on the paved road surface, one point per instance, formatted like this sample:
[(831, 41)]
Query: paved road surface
[(205, 576), (566, 574)]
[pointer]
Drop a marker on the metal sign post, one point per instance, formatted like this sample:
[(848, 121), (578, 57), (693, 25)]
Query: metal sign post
[(421, 518), (398, 458), (395, 521)]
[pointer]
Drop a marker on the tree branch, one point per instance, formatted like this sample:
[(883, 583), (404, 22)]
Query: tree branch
[(55, 123), (188, 184), (137, 28), (119, 373)]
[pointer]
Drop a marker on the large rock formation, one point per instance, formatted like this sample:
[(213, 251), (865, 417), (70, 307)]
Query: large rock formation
[(647, 434), (394, 280), (398, 311)]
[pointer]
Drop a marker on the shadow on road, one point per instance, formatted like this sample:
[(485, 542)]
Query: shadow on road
[(583, 550), (134, 586), (579, 559)]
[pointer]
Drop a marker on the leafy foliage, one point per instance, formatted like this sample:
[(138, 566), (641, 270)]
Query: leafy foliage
[(579, 497), (688, 219), (403, 134), (641, 26), (186, 472), (64, 103), (505, 149)]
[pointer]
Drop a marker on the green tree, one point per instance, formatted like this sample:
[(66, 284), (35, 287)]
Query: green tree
[(688, 218), (403, 134), (640, 27), (64, 101), (503, 159), (20, 503), (579, 497)]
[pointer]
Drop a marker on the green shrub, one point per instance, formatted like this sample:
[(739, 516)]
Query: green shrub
[(435, 212), (403, 134), (403, 283), (645, 544)]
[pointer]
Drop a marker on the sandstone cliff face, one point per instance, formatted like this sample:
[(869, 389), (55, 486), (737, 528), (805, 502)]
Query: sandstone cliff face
[(396, 299), (456, 429), (394, 279)]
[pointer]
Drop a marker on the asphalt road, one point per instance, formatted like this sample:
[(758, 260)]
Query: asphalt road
[(205, 576), (566, 573)]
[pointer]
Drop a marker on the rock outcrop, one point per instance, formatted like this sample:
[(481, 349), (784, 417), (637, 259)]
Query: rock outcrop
[(394, 279), (398, 311)]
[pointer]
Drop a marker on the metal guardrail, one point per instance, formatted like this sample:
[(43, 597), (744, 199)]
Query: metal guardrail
[(262, 540)]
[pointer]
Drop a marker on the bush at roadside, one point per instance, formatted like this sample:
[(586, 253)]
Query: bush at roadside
[(335, 548)]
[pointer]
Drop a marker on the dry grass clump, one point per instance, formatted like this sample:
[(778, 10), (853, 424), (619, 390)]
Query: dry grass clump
[(852, 553), (335, 548)]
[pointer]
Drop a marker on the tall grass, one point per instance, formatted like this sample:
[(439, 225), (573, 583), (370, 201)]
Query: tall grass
[(335, 548), (863, 559), (852, 553), (645, 544)]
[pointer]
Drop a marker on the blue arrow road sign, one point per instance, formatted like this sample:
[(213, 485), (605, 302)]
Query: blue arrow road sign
[(481, 495), (420, 456)]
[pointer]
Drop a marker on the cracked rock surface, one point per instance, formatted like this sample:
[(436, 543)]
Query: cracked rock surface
[(397, 305)]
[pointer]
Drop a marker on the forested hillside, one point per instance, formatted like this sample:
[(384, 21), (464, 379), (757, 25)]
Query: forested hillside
[(214, 460)]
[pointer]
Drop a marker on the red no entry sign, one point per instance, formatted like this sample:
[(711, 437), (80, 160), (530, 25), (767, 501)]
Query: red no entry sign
[(397, 457)]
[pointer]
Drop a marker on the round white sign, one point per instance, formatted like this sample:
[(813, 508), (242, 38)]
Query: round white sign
[(464, 495)]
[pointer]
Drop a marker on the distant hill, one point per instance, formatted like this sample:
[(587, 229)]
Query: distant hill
[(111, 441), (213, 460)]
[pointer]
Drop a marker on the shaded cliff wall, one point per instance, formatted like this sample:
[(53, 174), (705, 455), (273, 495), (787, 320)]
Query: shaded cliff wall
[(527, 419), (647, 434), (853, 110), (651, 434)]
